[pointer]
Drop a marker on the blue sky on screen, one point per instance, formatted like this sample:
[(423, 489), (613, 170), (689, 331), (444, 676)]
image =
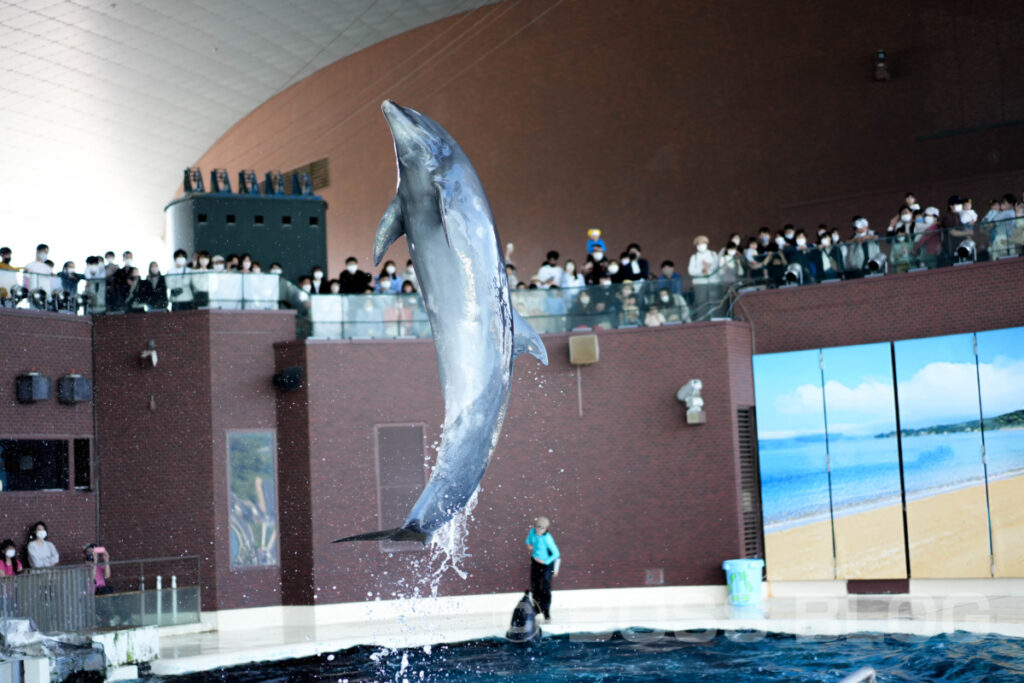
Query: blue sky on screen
[(936, 376)]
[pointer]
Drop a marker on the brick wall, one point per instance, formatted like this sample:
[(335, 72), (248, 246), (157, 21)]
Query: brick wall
[(161, 432), (971, 298), (53, 345), (628, 484)]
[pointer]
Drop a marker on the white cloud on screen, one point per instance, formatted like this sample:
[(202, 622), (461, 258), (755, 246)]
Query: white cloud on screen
[(937, 393)]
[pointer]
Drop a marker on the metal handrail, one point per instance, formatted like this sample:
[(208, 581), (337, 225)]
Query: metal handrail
[(56, 598)]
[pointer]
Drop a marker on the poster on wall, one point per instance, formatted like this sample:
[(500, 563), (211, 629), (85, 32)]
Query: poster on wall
[(943, 469), (1001, 379), (252, 482), (867, 510), (793, 461)]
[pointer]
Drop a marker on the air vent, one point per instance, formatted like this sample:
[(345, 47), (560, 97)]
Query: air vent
[(750, 482)]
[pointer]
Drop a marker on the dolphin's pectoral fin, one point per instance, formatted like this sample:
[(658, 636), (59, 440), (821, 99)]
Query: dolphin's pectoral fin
[(526, 339), (390, 228), (440, 191), (397, 534)]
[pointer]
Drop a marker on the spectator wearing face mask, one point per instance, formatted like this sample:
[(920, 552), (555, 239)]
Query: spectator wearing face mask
[(306, 284), (388, 280), (571, 277), (110, 264), (598, 265), (10, 565), (41, 552), (928, 238), (615, 272), (637, 267), (581, 311), (827, 259), (179, 283), (953, 228), (731, 265), (550, 273), (1000, 224), (862, 248), (409, 275), (219, 263), (900, 258), (38, 273), (754, 259), (908, 207), (202, 259), (764, 240), (318, 282), (800, 254), (276, 269), (671, 304), (353, 280), (133, 304), (152, 291), (904, 218), (705, 276), (69, 279)]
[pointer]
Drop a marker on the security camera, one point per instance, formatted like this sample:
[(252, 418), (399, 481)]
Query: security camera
[(149, 353), (689, 394)]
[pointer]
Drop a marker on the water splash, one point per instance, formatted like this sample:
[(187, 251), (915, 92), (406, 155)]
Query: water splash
[(448, 548)]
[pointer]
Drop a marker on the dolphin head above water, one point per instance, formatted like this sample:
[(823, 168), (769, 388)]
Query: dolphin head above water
[(420, 143)]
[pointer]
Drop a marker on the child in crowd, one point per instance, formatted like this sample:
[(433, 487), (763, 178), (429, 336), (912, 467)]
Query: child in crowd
[(10, 565)]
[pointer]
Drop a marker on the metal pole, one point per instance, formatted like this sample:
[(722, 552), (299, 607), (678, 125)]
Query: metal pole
[(159, 598), (174, 598)]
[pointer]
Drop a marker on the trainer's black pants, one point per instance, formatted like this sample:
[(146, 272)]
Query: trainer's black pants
[(540, 584)]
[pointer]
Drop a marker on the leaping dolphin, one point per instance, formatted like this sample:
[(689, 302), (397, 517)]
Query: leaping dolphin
[(441, 209)]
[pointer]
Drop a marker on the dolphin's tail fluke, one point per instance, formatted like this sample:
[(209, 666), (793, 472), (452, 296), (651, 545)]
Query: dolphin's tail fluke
[(398, 534)]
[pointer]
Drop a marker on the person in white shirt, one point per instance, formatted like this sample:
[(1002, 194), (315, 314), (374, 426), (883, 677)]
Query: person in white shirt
[(38, 273), (180, 287), (571, 277), (41, 553), (703, 270), (550, 272)]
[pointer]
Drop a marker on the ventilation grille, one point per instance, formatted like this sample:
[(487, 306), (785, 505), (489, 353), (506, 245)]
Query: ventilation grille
[(750, 482)]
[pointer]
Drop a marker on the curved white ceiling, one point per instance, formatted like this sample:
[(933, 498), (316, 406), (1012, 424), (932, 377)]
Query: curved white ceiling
[(104, 103)]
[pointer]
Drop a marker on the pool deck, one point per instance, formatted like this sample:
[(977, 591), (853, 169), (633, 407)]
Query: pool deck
[(969, 609)]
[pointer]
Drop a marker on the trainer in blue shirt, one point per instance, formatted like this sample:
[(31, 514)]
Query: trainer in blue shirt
[(544, 563)]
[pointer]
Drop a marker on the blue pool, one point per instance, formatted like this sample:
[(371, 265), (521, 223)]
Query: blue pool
[(654, 656)]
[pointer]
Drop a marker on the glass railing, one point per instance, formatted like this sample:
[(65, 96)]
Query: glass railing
[(157, 591), (178, 292), (645, 303)]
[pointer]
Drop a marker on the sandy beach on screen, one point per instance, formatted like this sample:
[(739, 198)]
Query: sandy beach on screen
[(948, 539)]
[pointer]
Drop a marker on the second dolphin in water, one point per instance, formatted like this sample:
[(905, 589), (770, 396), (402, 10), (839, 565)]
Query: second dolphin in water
[(441, 209)]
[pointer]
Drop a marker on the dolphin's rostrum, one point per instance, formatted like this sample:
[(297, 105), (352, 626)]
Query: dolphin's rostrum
[(441, 209)]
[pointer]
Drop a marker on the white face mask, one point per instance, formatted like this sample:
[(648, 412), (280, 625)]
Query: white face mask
[(826, 241), (598, 255), (10, 552), (41, 534), (835, 237), (180, 261), (780, 241), (385, 285), (929, 220), (613, 268), (390, 270), (664, 298), (128, 263), (789, 235), (624, 260), (584, 300), (958, 207), (801, 241), (276, 271), (702, 248), (218, 267), (317, 274), (307, 288), (352, 268)]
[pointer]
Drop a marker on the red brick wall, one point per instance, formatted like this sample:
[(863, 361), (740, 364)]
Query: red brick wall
[(628, 485), (161, 433), (53, 345), (981, 296), (658, 120)]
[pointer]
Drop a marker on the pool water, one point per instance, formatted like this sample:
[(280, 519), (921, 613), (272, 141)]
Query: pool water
[(639, 655)]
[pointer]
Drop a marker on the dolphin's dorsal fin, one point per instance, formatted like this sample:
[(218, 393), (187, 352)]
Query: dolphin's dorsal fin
[(526, 340), (390, 228)]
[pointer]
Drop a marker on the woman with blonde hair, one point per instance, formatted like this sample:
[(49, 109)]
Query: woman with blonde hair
[(545, 560)]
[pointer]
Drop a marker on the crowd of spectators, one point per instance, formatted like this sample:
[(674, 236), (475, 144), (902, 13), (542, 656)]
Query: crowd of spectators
[(597, 290)]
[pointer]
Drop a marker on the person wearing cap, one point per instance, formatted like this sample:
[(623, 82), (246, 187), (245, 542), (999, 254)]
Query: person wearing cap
[(545, 561), (928, 238), (862, 247)]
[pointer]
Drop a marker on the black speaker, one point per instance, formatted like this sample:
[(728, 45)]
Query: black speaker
[(33, 387), (289, 379), (72, 389)]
